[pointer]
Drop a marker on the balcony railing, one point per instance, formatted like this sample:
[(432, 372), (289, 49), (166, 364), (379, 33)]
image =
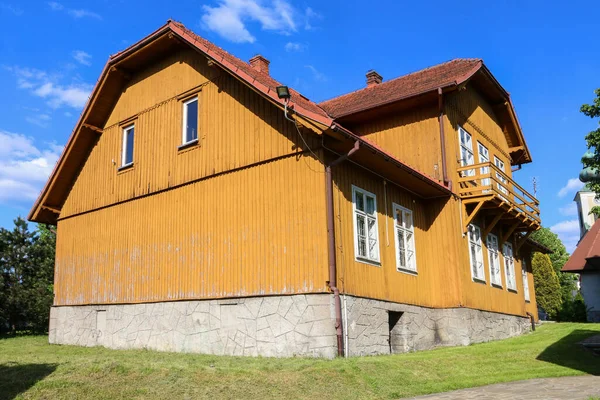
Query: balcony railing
[(488, 183)]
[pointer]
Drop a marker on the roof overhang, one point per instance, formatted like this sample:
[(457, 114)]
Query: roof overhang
[(119, 70), (482, 79)]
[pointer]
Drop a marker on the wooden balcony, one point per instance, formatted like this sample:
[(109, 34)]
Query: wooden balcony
[(487, 192)]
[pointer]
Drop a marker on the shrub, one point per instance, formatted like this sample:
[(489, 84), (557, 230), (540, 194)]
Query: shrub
[(573, 310), (547, 285)]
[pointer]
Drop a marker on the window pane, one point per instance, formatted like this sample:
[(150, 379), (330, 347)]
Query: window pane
[(408, 220), (373, 246), (370, 205), (129, 145), (359, 200), (360, 225), (191, 132)]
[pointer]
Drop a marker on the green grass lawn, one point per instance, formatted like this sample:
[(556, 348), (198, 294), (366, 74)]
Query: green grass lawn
[(32, 369)]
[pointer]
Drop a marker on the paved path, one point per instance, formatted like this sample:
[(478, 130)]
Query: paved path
[(567, 388)]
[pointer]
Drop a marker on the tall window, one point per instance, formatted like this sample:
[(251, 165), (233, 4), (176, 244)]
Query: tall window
[(476, 253), (494, 259), (405, 239), (509, 266), (127, 146), (484, 157), (466, 150), (525, 280), (502, 185), (366, 237), (190, 121)]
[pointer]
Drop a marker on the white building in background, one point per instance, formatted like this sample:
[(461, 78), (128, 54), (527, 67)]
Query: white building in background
[(585, 200), (585, 260)]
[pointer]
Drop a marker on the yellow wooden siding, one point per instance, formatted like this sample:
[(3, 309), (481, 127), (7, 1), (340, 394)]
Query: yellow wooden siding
[(236, 127), (470, 110), (485, 296), (443, 276), (436, 285), (412, 136), (256, 231)]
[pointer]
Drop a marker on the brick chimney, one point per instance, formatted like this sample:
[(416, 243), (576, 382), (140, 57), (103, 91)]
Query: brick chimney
[(260, 64), (373, 78)]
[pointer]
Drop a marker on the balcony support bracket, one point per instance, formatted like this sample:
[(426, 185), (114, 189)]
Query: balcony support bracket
[(468, 217), (509, 232), (523, 240), (492, 224)]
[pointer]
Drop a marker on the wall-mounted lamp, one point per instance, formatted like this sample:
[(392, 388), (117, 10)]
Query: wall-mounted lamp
[(283, 92)]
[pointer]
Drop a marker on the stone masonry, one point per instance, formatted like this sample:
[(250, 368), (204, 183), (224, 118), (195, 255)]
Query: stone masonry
[(421, 328), (277, 326)]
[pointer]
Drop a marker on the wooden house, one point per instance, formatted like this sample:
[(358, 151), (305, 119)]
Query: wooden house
[(199, 210)]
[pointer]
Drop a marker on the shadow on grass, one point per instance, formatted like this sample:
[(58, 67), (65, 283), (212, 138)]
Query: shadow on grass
[(567, 352), (17, 378)]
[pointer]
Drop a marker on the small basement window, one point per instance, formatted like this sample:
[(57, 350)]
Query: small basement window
[(127, 147), (190, 121)]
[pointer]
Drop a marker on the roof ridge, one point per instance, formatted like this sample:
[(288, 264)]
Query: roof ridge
[(403, 76)]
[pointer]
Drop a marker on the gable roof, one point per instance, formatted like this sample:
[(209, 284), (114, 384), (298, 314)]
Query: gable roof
[(587, 254), (113, 77), (449, 73), (446, 76)]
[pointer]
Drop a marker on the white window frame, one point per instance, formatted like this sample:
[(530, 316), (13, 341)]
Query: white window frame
[(480, 276), (368, 217), (483, 155), (526, 293), (501, 186), (186, 103), (409, 258), (509, 266), (466, 147), (125, 145), (494, 260)]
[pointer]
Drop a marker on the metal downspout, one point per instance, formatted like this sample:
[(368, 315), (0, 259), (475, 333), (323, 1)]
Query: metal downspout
[(447, 182), (332, 249)]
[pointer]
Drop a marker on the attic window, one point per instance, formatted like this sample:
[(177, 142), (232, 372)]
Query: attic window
[(190, 121), (127, 148)]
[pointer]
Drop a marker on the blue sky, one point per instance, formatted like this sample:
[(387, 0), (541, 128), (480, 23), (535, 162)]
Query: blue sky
[(542, 52)]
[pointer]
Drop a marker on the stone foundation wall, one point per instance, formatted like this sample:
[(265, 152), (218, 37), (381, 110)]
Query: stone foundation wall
[(277, 326), (420, 328)]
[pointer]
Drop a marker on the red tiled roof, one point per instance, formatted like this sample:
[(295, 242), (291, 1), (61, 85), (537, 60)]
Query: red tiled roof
[(587, 250), (449, 73), (241, 66)]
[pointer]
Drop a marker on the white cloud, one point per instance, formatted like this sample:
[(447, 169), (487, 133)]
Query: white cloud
[(294, 47), (82, 57), (47, 86), (569, 210), (14, 10), (83, 13), (41, 120), (568, 232), (319, 76), (309, 16), (75, 13), (24, 166), (229, 18), (573, 185)]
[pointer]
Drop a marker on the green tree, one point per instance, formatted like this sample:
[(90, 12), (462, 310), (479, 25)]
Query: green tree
[(547, 286), (26, 275), (559, 256), (593, 139)]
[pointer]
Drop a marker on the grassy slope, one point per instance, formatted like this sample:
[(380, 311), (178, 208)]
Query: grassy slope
[(30, 368)]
